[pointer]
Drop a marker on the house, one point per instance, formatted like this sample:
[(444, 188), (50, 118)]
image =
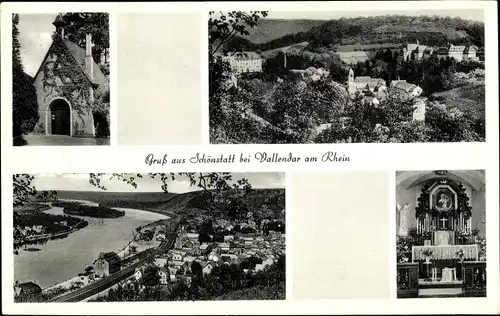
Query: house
[(419, 112), (228, 237), (264, 264), (188, 245), (27, 291), (107, 264), (161, 262), (203, 246), (207, 267), (416, 49), (177, 256), (409, 89), (139, 272), (364, 83), (164, 275), (245, 62), (87, 277), (470, 53), (213, 257), (192, 236), (224, 247), (456, 52), (371, 100), (353, 57), (37, 229), (66, 84), (189, 259)]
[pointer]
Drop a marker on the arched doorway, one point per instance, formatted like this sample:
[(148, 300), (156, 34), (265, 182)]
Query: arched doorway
[(60, 117)]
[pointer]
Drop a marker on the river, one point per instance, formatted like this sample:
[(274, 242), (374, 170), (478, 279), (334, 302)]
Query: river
[(62, 259)]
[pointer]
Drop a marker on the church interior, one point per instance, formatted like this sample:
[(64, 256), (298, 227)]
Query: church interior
[(441, 229)]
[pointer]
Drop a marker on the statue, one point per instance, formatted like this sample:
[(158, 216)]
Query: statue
[(402, 231)]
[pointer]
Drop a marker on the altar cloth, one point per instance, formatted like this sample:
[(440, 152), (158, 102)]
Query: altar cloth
[(445, 252), (448, 275)]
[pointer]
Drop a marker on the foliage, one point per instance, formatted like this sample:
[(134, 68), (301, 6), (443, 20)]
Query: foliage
[(23, 190), (79, 24), (75, 208), (481, 242), (405, 244), (24, 100), (101, 112), (222, 28), (150, 276), (427, 252), (48, 221)]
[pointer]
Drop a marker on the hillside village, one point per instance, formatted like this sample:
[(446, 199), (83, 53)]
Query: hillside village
[(373, 74), (253, 251)]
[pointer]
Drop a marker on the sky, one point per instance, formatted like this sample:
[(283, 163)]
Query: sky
[(80, 182), (35, 30), (476, 15), (35, 37)]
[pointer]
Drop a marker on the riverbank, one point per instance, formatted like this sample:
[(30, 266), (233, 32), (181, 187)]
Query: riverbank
[(55, 260)]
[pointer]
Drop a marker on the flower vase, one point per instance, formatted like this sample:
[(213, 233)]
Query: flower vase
[(427, 259)]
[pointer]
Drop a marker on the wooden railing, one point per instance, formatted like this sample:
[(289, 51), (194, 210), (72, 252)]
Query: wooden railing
[(407, 278), (474, 276)]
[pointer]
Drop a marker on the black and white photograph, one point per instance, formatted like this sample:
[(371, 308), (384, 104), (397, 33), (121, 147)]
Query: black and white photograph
[(60, 79), (441, 233), (149, 237), (346, 76)]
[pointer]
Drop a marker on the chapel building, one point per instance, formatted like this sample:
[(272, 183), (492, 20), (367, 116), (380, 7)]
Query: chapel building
[(66, 85)]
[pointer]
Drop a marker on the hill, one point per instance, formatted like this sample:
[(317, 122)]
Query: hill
[(394, 29), (119, 199), (271, 29), (187, 204)]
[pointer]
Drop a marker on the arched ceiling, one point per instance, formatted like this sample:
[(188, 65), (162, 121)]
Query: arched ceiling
[(471, 178)]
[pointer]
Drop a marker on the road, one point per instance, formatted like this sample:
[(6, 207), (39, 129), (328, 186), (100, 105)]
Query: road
[(111, 280)]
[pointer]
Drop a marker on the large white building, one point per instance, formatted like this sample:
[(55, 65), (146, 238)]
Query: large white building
[(245, 62), (459, 53)]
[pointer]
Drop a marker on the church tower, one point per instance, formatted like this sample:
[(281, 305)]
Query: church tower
[(351, 89)]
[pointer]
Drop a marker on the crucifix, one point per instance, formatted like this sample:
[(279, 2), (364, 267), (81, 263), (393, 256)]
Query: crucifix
[(443, 220)]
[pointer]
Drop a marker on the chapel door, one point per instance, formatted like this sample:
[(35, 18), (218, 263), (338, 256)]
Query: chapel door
[(60, 118)]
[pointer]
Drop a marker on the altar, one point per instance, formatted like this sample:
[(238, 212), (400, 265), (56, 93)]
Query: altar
[(446, 252)]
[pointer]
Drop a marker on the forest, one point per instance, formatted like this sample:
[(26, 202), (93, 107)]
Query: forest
[(429, 30)]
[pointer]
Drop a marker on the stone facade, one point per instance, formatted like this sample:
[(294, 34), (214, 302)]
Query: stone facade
[(66, 83)]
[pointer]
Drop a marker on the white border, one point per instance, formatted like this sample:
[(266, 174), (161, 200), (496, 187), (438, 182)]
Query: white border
[(389, 157)]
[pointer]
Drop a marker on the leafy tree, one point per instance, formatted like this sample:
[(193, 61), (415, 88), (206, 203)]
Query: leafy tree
[(79, 24), (197, 269), (24, 100), (339, 73), (151, 277), (222, 28)]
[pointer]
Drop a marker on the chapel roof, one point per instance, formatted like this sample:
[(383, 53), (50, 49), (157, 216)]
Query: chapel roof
[(366, 79), (78, 54)]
